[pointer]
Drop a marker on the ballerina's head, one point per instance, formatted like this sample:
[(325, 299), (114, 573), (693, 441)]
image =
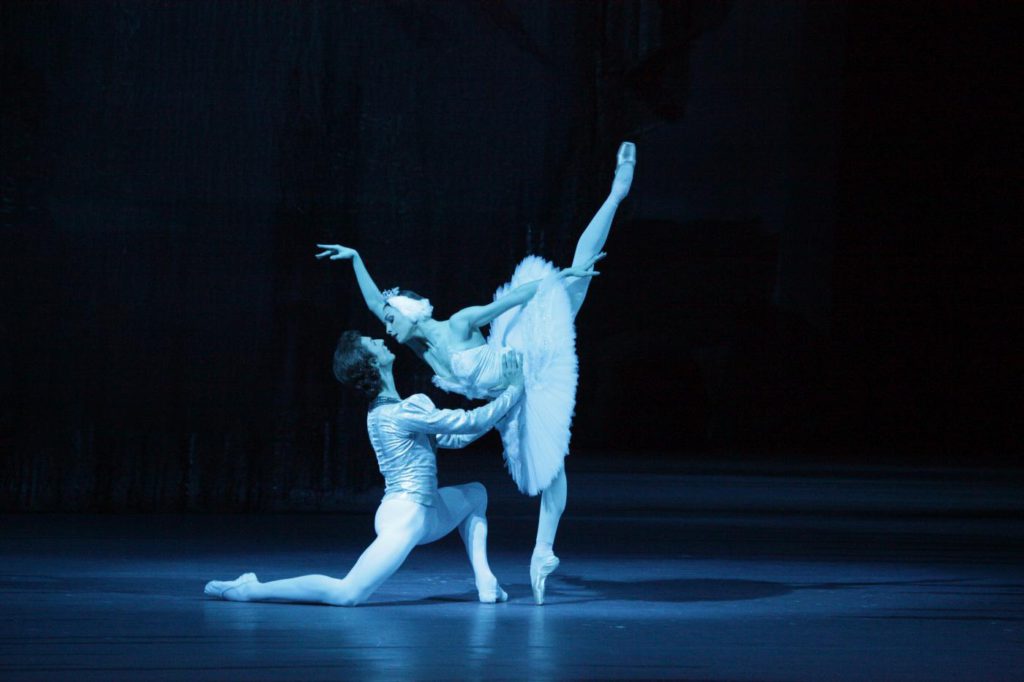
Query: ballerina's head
[(403, 311), (362, 362)]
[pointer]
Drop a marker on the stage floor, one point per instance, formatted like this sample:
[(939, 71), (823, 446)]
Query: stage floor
[(682, 572)]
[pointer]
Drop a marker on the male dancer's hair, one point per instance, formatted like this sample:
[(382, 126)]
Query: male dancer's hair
[(354, 366)]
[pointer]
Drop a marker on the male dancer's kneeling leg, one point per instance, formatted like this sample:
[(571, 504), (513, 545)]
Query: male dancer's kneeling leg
[(405, 434)]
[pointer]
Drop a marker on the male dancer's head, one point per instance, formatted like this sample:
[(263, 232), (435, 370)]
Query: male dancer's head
[(365, 364)]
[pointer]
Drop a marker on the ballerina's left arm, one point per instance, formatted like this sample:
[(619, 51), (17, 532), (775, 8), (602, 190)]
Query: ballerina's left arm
[(474, 317)]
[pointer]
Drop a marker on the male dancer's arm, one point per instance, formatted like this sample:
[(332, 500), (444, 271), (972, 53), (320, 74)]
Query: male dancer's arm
[(455, 441), (419, 414)]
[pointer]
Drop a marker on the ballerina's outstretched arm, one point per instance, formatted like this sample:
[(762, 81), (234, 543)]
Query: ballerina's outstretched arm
[(371, 293), (474, 317)]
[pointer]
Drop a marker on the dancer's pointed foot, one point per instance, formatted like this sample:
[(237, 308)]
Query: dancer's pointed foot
[(541, 566), (223, 588), (626, 154), (490, 592), (625, 163)]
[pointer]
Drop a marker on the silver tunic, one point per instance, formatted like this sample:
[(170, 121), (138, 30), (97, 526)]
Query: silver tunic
[(406, 435)]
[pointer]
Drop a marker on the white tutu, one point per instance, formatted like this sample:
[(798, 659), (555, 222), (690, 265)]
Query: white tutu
[(535, 433)]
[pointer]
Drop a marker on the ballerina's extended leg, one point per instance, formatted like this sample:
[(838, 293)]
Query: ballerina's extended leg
[(592, 241)]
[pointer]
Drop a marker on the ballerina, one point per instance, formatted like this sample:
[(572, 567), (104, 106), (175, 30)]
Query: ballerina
[(534, 314), (405, 435)]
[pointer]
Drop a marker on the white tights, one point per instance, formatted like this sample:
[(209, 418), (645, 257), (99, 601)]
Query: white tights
[(401, 524), (552, 504), (592, 241)]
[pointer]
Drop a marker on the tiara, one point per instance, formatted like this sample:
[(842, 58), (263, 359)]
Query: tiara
[(390, 293)]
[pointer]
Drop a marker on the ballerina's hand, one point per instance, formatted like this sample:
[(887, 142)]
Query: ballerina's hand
[(336, 252), (587, 270), (512, 368)]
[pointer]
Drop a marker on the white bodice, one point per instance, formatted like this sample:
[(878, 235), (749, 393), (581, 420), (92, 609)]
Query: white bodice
[(476, 372)]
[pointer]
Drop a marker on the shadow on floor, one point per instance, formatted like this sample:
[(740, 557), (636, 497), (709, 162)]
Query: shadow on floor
[(579, 589)]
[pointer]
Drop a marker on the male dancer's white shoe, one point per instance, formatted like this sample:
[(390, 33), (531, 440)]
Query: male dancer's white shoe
[(540, 568), (491, 594), (217, 588)]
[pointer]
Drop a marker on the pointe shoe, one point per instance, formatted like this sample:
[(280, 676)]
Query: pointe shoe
[(626, 160), (540, 568), (626, 155), (492, 595), (217, 588)]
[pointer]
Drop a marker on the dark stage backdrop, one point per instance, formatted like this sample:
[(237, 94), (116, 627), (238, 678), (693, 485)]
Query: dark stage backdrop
[(817, 262)]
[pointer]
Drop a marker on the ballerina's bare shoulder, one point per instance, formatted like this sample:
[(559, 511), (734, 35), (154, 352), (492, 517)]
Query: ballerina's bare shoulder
[(441, 349), (463, 363)]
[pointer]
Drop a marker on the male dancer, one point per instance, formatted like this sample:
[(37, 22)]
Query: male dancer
[(405, 435)]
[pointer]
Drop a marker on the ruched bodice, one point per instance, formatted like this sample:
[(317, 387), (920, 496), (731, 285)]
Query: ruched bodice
[(476, 372)]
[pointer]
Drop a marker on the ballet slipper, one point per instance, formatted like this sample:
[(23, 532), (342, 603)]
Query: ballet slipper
[(625, 155), (625, 164), (540, 568), (491, 593), (217, 588)]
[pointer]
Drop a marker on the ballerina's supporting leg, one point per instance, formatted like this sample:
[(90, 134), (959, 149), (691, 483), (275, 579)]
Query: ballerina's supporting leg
[(552, 504), (592, 241), (544, 562)]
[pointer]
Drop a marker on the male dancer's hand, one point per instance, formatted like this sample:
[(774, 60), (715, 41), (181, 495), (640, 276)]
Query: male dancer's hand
[(336, 252), (512, 368)]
